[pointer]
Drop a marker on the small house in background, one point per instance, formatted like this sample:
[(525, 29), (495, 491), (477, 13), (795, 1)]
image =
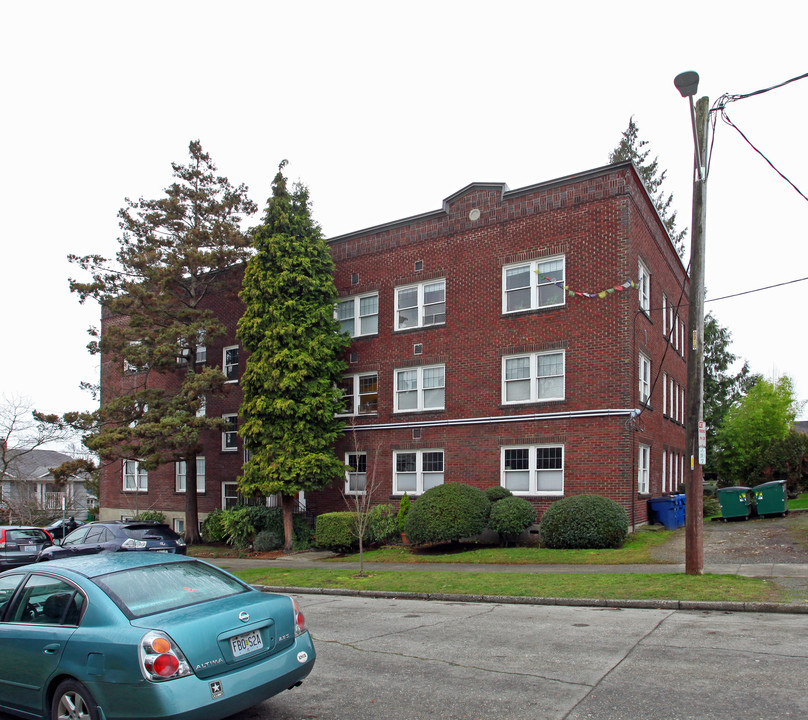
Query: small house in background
[(29, 493)]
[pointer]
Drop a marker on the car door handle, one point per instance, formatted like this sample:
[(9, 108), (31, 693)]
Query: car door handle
[(51, 649)]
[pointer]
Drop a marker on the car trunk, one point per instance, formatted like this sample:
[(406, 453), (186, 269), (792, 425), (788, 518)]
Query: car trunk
[(227, 633)]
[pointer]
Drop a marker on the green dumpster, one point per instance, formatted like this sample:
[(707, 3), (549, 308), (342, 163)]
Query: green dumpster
[(735, 502), (771, 498)]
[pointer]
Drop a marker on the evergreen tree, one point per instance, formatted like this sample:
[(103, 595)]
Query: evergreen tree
[(291, 395), (722, 389), (173, 251), (632, 148)]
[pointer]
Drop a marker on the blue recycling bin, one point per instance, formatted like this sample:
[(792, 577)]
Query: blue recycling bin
[(663, 510), (680, 503)]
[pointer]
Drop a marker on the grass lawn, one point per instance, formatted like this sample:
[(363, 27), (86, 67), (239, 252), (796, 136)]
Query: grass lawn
[(634, 551), (799, 503), (635, 586)]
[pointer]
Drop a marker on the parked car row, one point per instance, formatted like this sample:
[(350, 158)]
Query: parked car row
[(21, 545)]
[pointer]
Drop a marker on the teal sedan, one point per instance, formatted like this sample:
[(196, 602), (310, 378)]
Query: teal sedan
[(131, 636)]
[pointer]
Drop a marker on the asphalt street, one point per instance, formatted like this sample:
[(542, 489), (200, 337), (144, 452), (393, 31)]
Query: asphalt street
[(421, 660)]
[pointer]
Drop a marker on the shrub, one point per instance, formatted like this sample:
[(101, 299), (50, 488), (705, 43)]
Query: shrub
[(446, 513), (238, 527), (511, 516), (150, 516), (268, 541), (584, 521), (403, 509), (382, 525), (213, 527), (497, 493), (336, 531), (711, 506)]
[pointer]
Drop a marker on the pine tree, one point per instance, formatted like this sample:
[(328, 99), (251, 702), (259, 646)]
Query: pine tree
[(632, 148), (172, 252), (290, 384)]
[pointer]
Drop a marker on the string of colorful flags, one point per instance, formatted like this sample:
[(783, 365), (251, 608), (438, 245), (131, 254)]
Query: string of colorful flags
[(602, 294)]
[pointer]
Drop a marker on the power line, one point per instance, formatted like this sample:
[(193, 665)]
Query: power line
[(721, 106)]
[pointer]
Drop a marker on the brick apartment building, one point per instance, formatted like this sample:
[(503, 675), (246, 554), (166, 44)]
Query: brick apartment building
[(528, 338)]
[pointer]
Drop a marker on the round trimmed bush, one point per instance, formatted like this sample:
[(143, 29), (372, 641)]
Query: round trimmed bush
[(213, 527), (584, 521), (446, 513), (496, 493), (511, 516), (267, 541), (336, 531)]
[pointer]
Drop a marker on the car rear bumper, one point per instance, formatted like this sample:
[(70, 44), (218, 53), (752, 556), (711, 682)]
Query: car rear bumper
[(192, 698)]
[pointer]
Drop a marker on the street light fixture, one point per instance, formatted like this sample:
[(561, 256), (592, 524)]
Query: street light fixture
[(688, 83)]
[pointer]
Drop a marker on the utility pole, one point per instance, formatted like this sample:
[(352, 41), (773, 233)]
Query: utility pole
[(687, 83)]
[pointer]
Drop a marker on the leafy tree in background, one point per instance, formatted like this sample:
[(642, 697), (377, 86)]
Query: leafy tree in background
[(290, 384), (786, 459), (764, 415), (632, 148), (173, 251), (722, 388)]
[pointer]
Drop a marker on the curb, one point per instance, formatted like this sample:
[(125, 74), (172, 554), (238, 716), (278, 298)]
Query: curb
[(752, 607)]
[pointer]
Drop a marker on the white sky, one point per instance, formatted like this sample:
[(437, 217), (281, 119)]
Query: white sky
[(383, 110)]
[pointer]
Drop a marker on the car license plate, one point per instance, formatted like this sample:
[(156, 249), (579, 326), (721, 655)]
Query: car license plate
[(246, 643), (29, 548)]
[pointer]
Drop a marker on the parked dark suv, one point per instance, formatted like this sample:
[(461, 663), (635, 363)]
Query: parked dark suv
[(20, 545), (96, 537)]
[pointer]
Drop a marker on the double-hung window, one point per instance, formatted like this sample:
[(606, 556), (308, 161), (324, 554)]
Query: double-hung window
[(533, 285), (360, 394), (533, 469), (644, 287), (420, 388), (415, 471), (643, 469), (532, 378), (356, 477), (230, 363), (135, 477), (644, 372), (421, 305), (181, 473), (230, 433), (359, 315)]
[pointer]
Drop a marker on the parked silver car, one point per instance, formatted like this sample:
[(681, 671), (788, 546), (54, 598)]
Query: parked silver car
[(20, 545)]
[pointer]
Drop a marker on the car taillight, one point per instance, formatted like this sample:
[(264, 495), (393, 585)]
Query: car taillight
[(300, 619), (132, 544), (50, 537), (161, 659), (2, 539)]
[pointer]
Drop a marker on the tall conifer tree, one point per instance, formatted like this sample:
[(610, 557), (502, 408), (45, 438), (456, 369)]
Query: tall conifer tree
[(290, 384), (632, 148), (173, 251)]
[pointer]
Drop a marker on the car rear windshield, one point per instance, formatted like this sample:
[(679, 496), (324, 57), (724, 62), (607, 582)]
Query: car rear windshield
[(26, 535), (156, 588), (144, 532)]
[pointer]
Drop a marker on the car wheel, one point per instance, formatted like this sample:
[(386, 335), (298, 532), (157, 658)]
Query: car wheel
[(73, 701)]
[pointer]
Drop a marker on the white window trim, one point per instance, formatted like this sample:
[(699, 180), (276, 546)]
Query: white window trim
[(534, 379), (225, 432), (420, 305), (348, 474), (534, 285), (420, 389), (180, 475), (664, 471), (532, 469), (357, 317), (644, 286), (225, 365), (356, 397), (644, 376), (419, 469), (141, 477), (225, 485), (643, 469)]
